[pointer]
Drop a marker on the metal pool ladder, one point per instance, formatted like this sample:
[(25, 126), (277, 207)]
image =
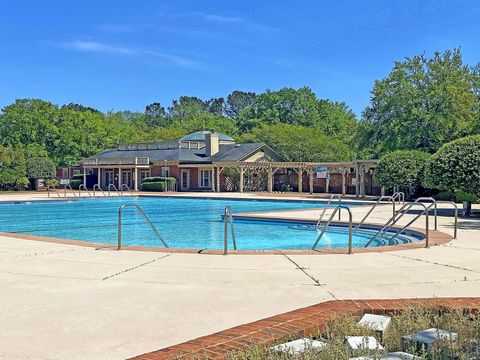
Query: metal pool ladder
[(145, 217), (69, 188), (114, 188), (125, 186), (82, 186), (95, 187), (390, 200), (327, 206), (228, 217), (52, 188), (337, 208)]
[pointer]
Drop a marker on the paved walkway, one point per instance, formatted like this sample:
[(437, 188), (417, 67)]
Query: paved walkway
[(72, 302)]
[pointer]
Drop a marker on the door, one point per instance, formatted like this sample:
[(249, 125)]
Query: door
[(185, 180), (108, 177), (127, 178)]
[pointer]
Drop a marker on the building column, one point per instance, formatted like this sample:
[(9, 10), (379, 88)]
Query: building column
[(119, 178), (99, 176), (327, 184), (241, 179), (311, 173), (300, 180), (344, 181), (135, 179), (382, 191), (85, 176), (219, 170), (213, 179), (269, 180)]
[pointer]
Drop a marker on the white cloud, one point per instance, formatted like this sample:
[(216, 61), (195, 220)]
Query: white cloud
[(104, 48)]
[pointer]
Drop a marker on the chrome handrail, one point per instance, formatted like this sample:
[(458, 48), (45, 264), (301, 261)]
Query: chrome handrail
[(51, 187), (96, 186), (116, 190), (69, 188), (455, 225), (126, 187), (228, 217), (334, 196), (390, 199), (434, 202), (80, 190), (394, 219), (338, 208), (145, 217), (400, 195)]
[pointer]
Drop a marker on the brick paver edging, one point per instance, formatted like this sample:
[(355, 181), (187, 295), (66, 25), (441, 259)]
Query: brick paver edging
[(297, 323)]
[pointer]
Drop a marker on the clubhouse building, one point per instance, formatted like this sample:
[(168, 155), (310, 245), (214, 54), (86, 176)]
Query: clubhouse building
[(206, 161)]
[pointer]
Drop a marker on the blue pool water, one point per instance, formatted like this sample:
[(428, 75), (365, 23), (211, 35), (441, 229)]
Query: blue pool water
[(183, 223)]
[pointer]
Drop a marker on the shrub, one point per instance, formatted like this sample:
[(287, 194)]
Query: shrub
[(75, 183), (40, 168), (403, 169), (462, 196), (456, 166), (153, 186), (12, 169), (155, 179)]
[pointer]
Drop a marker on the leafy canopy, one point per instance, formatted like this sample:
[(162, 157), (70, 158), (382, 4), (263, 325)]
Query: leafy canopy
[(456, 166), (402, 168)]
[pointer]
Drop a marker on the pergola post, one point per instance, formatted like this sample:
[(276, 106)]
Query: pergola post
[(382, 191), (310, 180), (362, 181), (241, 179), (344, 181), (327, 184), (357, 181), (300, 180), (270, 180)]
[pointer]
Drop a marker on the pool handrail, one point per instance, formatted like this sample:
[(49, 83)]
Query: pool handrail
[(145, 217), (434, 202), (125, 186), (69, 188), (226, 218), (400, 195), (334, 196), (116, 190), (390, 199), (97, 186), (394, 219), (350, 230), (80, 190), (455, 224), (51, 187)]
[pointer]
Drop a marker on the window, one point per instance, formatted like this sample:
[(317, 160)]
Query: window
[(76, 172), (144, 174), (165, 171), (205, 178), (65, 173)]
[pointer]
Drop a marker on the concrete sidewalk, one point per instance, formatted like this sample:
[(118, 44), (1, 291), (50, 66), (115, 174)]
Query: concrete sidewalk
[(72, 302)]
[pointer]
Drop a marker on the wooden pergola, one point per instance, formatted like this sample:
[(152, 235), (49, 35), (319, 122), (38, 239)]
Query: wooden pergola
[(361, 167)]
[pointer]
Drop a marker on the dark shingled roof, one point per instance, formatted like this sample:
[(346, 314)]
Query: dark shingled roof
[(200, 136), (227, 152)]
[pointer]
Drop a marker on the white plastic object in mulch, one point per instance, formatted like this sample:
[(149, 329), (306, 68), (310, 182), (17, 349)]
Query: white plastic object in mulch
[(378, 323), (363, 343), (390, 356), (429, 337), (299, 346)]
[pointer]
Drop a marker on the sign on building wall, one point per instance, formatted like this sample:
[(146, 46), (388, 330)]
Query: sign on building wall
[(322, 172)]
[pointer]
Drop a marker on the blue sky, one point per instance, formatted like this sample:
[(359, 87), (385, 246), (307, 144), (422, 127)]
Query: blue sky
[(117, 55)]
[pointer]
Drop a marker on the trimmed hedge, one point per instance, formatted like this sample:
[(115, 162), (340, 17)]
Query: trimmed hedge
[(75, 183), (153, 186), (456, 166), (155, 179)]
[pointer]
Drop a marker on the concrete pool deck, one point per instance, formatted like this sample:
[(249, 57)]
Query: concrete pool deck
[(64, 301)]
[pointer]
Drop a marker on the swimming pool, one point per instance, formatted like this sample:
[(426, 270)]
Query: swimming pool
[(183, 223)]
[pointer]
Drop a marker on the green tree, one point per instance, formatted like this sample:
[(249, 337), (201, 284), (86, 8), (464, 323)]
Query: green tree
[(299, 143), (403, 169), (456, 166), (422, 104), (238, 101), (186, 106), (12, 169)]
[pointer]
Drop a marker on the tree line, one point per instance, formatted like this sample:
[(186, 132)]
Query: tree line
[(423, 103)]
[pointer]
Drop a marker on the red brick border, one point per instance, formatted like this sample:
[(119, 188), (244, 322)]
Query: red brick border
[(301, 322)]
